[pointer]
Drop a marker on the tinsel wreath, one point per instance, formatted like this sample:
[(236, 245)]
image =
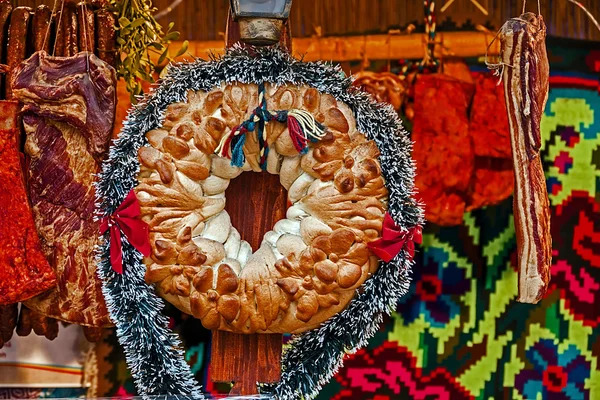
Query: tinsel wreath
[(153, 352)]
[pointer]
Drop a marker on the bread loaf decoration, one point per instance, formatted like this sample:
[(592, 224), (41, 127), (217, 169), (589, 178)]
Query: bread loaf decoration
[(310, 263), (345, 162), (383, 86)]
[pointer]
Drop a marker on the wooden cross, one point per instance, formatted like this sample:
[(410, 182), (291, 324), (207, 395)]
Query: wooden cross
[(255, 201)]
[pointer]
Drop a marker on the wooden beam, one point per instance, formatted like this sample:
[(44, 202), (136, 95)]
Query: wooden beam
[(373, 47)]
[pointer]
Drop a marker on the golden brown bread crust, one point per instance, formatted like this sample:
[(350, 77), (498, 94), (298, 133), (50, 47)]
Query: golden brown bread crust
[(383, 86), (309, 265)]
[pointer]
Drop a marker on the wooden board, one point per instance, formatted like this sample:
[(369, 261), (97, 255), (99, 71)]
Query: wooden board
[(245, 360)]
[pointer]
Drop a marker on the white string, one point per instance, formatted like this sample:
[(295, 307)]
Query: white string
[(585, 10), (539, 8), (62, 7), (47, 35), (308, 124), (166, 11), (85, 37)]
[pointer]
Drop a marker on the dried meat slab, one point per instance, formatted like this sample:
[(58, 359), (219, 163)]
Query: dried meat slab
[(493, 182), (489, 119), (24, 271), (443, 148), (78, 90), (68, 117)]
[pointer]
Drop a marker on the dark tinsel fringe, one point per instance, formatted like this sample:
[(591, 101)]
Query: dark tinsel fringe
[(153, 353)]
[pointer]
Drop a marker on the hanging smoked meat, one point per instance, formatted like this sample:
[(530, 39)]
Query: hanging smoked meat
[(525, 73), (24, 271), (462, 146), (493, 179), (462, 138), (383, 86), (68, 118), (443, 148), (489, 122)]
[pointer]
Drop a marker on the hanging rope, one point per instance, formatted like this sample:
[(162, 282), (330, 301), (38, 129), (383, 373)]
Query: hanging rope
[(58, 25), (47, 33), (302, 128), (429, 63), (586, 11), (167, 10)]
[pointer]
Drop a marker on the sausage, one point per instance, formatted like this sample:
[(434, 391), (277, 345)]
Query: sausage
[(5, 10), (44, 326), (17, 42), (24, 326), (69, 24), (100, 3), (41, 32), (86, 24), (106, 36), (92, 334), (59, 37), (8, 322)]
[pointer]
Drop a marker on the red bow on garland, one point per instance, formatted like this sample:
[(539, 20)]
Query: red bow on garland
[(126, 219), (393, 239)]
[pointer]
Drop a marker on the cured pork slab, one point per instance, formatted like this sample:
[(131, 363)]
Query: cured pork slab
[(69, 106), (525, 72)]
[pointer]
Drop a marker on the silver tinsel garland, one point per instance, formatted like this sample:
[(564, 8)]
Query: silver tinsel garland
[(153, 352)]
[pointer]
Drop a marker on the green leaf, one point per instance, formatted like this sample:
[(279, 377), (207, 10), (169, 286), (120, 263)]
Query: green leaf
[(163, 56), (124, 22), (183, 49), (137, 22), (138, 35), (170, 36), (157, 46)]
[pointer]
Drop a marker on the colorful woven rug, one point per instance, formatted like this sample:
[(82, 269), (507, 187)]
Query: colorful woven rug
[(459, 333)]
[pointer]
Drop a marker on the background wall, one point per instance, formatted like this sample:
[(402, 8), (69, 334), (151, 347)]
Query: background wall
[(204, 19)]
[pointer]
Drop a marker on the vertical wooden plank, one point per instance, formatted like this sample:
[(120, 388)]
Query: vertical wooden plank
[(252, 362)]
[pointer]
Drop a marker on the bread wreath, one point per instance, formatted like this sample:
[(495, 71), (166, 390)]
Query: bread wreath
[(308, 267), (313, 272)]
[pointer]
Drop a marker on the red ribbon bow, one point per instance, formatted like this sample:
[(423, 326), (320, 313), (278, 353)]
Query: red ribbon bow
[(126, 219), (393, 239)]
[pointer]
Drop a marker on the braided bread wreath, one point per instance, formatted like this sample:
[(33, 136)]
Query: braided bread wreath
[(313, 275)]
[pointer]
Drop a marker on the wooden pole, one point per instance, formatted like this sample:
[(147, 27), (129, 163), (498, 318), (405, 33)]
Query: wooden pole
[(255, 201), (460, 44)]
